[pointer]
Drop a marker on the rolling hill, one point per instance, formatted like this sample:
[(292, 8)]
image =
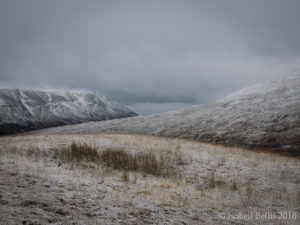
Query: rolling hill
[(261, 116)]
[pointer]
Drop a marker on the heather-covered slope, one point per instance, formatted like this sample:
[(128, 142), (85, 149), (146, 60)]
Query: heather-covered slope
[(22, 110), (261, 116)]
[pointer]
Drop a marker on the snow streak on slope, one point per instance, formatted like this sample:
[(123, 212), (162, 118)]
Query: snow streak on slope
[(263, 116), (32, 109)]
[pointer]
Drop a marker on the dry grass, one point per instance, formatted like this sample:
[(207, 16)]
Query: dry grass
[(234, 186), (212, 179), (78, 153), (144, 162), (143, 191), (125, 177), (119, 159), (246, 195), (33, 152), (215, 177)]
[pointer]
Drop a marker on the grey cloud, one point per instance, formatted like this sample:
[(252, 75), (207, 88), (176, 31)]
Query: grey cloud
[(149, 53)]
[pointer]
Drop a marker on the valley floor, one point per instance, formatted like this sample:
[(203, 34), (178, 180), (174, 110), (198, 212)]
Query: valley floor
[(212, 184)]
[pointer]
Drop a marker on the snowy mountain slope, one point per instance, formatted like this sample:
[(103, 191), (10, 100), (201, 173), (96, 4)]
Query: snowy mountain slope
[(22, 110), (262, 116)]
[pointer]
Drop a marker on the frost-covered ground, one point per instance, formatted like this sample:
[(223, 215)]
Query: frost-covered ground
[(261, 116), (214, 183)]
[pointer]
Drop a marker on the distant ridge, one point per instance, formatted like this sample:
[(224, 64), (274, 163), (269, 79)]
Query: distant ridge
[(24, 110), (261, 116)]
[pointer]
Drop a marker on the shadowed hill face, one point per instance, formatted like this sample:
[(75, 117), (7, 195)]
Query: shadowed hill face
[(261, 116), (23, 110)]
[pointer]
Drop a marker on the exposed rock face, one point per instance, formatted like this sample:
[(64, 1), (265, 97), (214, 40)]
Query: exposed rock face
[(261, 116), (23, 110)]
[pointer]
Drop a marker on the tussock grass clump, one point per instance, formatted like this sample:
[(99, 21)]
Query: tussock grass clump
[(144, 162), (119, 159), (33, 152), (79, 152), (125, 177), (246, 196)]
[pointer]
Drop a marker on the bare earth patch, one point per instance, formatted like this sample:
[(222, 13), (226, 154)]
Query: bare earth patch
[(212, 184)]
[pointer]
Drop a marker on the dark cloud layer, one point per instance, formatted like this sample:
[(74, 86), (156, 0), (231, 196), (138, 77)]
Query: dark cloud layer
[(151, 55)]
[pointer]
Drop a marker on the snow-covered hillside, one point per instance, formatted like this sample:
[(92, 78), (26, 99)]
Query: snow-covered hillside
[(22, 110), (263, 116)]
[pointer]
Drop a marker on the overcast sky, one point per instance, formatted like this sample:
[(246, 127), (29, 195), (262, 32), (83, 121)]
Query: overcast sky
[(151, 55)]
